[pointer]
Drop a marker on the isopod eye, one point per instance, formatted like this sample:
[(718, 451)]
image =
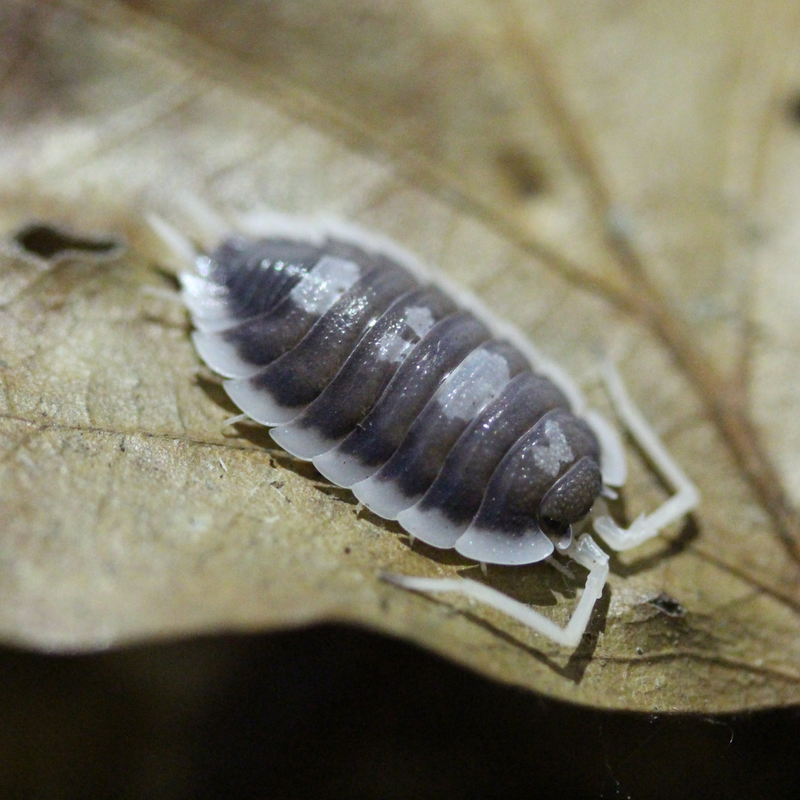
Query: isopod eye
[(571, 497)]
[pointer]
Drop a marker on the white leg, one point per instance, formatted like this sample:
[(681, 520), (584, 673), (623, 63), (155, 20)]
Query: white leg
[(235, 420), (685, 496), (585, 552), (559, 567)]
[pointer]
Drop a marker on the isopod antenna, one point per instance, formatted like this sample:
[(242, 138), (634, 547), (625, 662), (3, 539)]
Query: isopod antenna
[(685, 497)]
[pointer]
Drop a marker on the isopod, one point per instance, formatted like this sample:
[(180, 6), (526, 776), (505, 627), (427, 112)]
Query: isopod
[(409, 392)]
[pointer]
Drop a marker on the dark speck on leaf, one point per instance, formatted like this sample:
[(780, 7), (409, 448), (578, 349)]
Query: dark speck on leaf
[(668, 606)]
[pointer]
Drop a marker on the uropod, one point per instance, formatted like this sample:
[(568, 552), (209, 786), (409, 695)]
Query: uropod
[(407, 391)]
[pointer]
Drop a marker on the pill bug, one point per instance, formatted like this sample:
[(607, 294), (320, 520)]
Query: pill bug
[(408, 392)]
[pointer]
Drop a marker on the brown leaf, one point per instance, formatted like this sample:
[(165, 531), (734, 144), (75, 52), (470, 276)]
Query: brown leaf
[(602, 175)]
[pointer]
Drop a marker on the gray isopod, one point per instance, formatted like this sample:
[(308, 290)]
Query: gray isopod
[(409, 393)]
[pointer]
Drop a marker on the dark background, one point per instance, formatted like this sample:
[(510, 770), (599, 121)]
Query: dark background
[(337, 712)]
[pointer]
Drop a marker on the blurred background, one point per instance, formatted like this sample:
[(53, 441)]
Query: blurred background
[(338, 712)]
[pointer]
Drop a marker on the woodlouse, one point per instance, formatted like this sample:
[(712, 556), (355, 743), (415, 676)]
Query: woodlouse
[(408, 392)]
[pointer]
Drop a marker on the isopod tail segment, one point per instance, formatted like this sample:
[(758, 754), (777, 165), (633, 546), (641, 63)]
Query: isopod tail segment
[(425, 371), (585, 550)]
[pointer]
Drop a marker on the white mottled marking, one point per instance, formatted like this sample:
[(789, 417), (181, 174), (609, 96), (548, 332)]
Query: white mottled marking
[(476, 381), (550, 457), (393, 347), (419, 319), (329, 279)]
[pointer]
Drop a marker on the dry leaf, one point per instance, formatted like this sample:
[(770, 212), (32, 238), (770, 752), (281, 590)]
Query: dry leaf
[(605, 175)]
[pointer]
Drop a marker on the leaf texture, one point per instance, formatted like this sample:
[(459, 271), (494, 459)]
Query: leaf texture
[(607, 176)]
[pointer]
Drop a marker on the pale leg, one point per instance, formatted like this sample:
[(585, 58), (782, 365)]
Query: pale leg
[(585, 552), (685, 496)]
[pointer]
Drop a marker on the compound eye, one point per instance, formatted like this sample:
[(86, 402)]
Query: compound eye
[(571, 497)]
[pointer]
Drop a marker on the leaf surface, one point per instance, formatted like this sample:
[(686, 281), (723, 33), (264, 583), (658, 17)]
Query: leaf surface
[(605, 176)]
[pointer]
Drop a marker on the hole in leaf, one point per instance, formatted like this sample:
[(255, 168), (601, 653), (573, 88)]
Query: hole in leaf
[(51, 244)]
